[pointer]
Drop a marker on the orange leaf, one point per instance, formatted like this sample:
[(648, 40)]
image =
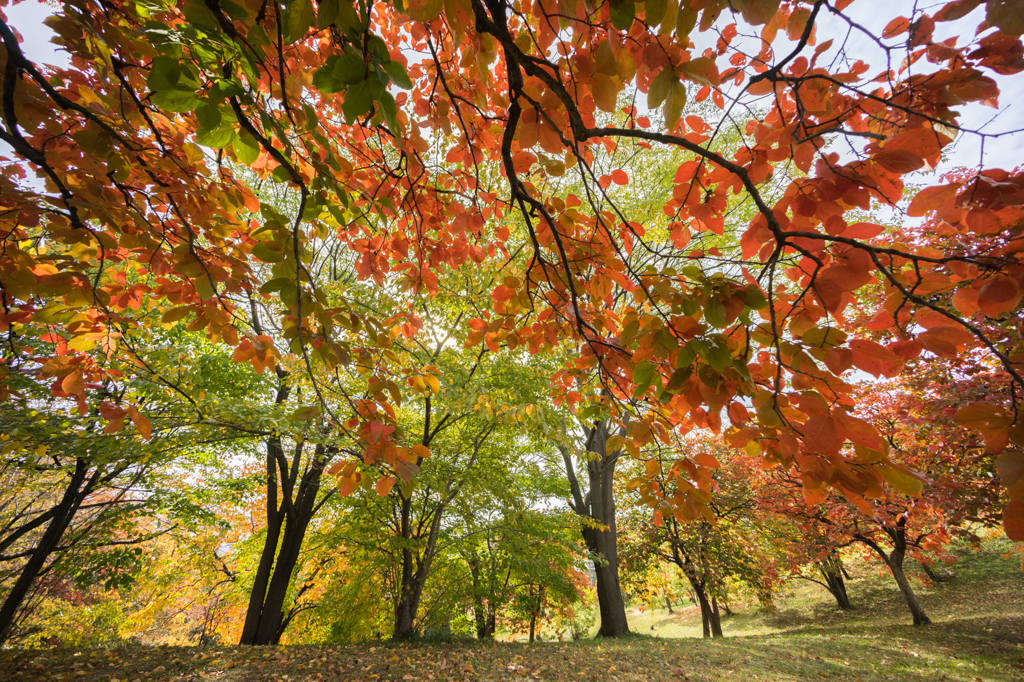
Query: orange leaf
[(140, 422), (384, 485), (999, 295), (421, 451), (73, 384), (895, 27), (983, 417), (1013, 520), (705, 460)]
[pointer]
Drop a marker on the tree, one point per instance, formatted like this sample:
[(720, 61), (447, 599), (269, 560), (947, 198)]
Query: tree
[(595, 505), (716, 551), (423, 136)]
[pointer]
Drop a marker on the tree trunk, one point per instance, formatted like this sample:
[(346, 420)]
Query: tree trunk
[(275, 518), (415, 569), (894, 560), (533, 625), (668, 604), (716, 619), (76, 491), (833, 576), (599, 504), (710, 621), (264, 618), (916, 610)]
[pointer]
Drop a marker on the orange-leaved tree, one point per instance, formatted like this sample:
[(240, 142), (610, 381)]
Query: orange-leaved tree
[(405, 128)]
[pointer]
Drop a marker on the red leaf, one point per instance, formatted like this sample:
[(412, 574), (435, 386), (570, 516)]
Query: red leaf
[(820, 434), (895, 27), (1013, 520)]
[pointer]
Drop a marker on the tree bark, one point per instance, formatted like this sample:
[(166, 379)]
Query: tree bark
[(599, 505), (668, 604), (916, 610), (894, 561), (264, 618), (832, 572)]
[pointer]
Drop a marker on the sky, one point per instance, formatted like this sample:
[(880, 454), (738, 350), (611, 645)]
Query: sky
[(1002, 152)]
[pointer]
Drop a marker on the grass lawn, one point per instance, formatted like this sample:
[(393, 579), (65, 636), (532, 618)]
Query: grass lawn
[(978, 635)]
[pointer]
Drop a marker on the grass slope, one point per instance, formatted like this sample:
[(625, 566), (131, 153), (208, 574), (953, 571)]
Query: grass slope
[(978, 636)]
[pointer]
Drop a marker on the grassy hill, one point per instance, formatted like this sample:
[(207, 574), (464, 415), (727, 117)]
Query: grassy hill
[(978, 635)]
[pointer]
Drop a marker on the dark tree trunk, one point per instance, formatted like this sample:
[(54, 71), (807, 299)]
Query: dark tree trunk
[(916, 610), (483, 612), (716, 619), (415, 569), (668, 605), (709, 616), (533, 625), (264, 618), (894, 560), (832, 572), (275, 518), (77, 489), (599, 505)]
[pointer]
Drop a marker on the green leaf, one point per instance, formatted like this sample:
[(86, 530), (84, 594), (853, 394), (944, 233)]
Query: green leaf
[(390, 111), (305, 413), (216, 139), (714, 313), (398, 75), (654, 11), (349, 69), (164, 73), (754, 298), (687, 354), (269, 252), (623, 13), (717, 355), (246, 149), (327, 13), (674, 103), (298, 18), (643, 377), (177, 101), (358, 101), (208, 115), (659, 88), (348, 20)]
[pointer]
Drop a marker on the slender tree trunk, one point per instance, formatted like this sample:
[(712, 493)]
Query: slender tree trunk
[(832, 573), (264, 619), (76, 491), (533, 625), (415, 570), (894, 560), (275, 518), (716, 619), (668, 604), (270, 627), (916, 610), (706, 613), (599, 504)]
